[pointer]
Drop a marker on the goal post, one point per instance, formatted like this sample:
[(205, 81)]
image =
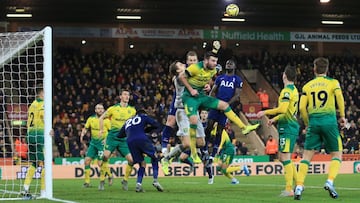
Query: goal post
[(25, 62), (48, 110)]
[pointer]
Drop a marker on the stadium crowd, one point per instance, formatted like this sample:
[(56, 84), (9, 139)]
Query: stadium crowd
[(83, 80)]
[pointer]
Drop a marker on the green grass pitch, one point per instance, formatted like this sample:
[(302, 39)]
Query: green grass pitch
[(252, 189)]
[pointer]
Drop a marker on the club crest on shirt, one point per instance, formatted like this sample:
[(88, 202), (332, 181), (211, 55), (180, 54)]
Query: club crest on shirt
[(287, 95)]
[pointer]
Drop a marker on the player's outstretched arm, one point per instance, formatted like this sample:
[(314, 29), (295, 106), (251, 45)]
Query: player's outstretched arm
[(281, 109)]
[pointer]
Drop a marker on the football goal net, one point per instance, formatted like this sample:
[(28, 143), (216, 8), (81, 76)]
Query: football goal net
[(25, 64)]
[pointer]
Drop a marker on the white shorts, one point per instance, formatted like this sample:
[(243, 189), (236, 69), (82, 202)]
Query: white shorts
[(183, 124)]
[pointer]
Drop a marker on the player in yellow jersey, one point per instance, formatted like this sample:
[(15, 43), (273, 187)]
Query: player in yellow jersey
[(118, 115), (318, 102), (196, 79), (225, 154), (96, 147), (35, 140), (287, 126)]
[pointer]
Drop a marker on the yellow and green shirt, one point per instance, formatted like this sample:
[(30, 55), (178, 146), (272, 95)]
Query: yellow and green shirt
[(118, 115), (93, 124), (287, 105), (35, 121), (225, 141), (198, 76), (318, 98)]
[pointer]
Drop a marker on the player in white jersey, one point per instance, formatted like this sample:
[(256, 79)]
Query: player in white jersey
[(183, 124), (191, 58)]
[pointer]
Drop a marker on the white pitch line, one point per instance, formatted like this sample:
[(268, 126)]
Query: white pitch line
[(306, 186), (277, 185)]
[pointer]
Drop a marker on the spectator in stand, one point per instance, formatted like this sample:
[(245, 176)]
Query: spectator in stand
[(3, 150), (21, 148), (271, 148), (353, 106), (350, 130), (259, 92), (350, 116), (67, 147), (238, 145), (243, 149), (255, 152), (5, 145), (75, 151), (357, 135), (264, 99), (352, 146)]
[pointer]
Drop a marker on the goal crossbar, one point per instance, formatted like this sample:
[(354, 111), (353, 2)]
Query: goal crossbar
[(9, 51)]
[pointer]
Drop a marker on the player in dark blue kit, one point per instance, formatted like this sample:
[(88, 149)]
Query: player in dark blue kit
[(227, 87), (139, 144)]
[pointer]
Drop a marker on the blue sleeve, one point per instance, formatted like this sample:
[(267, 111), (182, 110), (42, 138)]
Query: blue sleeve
[(122, 132), (240, 82), (152, 124)]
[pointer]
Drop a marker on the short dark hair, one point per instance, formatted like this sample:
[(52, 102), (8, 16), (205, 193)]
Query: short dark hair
[(233, 60), (141, 111), (290, 73), (123, 90), (102, 104), (173, 67), (208, 54), (321, 65)]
